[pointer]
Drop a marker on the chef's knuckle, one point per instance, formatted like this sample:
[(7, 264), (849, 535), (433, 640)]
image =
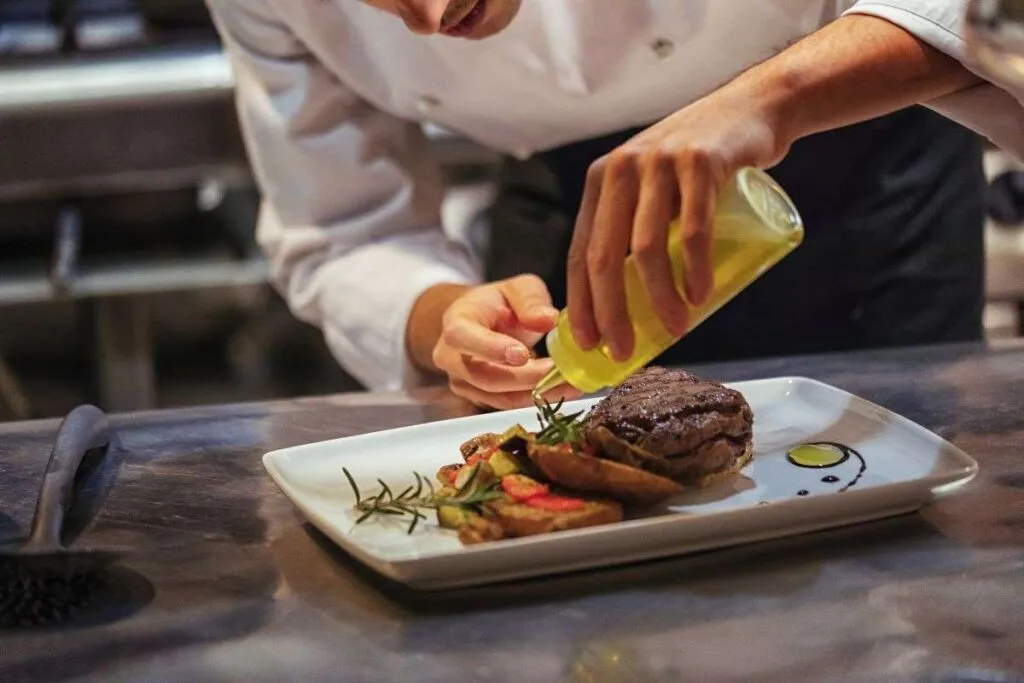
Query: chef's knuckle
[(452, 333), (530, 281), (696, 237), (695, 157), (577, 260), (660, 159), (646, 250), (599, 262), (623, 164)]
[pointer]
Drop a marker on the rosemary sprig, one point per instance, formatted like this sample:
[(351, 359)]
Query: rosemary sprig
[(413, 499), (557, 428)]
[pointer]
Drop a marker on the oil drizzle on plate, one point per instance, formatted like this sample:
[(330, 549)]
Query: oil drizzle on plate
[(823, 454)]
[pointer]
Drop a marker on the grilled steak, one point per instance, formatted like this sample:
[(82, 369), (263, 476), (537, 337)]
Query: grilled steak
[(672, 423)]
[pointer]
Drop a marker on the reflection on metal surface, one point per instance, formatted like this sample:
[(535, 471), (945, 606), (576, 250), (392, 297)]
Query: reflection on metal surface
[(142, 277), (200, 71), (607, 662)]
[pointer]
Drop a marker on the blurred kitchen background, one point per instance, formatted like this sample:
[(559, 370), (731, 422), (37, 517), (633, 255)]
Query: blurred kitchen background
[(129, 276)]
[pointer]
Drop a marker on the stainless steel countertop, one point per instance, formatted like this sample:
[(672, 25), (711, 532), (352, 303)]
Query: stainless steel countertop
[(245, 591)]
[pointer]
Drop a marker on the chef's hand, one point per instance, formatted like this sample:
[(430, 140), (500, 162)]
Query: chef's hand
[(673, 169), (485, 339)]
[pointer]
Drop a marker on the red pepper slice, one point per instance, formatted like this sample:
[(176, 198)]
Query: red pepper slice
[(555, 503), (522, 488), (482, 454)]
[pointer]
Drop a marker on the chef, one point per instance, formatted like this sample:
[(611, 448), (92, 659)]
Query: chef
[(641, 110)]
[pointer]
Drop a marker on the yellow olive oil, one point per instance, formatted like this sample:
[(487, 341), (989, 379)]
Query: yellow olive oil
[(816, 455), (754, 227)]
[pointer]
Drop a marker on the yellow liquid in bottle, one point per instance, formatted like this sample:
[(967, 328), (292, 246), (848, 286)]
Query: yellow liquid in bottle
[(755, 227)]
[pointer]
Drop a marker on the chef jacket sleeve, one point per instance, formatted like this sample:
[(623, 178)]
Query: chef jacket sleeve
[(350, 218), (994, 109)]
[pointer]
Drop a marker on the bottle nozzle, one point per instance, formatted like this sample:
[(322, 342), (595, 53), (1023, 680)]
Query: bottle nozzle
[(550, 381)]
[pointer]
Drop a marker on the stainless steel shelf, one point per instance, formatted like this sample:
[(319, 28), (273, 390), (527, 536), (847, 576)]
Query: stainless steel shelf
[(127, 182), (157, 74), (128, 278), (171, 73)]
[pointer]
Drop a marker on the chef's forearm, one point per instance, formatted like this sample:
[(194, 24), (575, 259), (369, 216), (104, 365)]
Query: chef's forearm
[(854, 69)]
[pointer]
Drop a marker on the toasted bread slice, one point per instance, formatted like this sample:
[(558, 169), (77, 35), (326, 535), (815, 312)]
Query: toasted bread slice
[(508, 519), (587, 474), (521, 519), (480, 529)]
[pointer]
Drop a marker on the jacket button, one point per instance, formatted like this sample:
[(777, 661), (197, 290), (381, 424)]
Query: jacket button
[(663, 48), (427, 103)]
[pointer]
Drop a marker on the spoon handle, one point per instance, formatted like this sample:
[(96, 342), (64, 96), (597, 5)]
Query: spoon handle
[(85, 428)]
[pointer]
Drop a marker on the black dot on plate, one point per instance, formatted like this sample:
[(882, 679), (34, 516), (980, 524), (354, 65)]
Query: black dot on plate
[(830, 479), (803, 492)]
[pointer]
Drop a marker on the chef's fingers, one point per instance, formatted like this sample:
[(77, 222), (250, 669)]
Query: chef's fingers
[(529, 337), (578, 295), (530, 301), (613, 225), (464, 335), (657, 207), (507, 400), (501, 378), (699, 193)]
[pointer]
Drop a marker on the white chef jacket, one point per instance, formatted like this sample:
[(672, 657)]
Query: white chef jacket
[(331, 95)]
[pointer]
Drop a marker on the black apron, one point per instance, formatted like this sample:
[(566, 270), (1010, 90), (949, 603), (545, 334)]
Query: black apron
[(893, 253)]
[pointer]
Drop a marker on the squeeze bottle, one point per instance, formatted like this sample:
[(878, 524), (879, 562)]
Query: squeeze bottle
[(755, 225)]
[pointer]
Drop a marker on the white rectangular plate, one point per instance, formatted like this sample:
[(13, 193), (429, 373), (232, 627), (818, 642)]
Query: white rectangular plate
[(906, 466)]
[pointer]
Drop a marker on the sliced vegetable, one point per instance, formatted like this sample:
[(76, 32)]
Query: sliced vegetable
[(504, 463), (446, 475), (452, 516), (555, 503), (516, 431), (477, 475), (522, 488), (481, 455)]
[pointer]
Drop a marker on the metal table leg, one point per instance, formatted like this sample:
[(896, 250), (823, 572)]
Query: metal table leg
[(12, 393), (125, 374)]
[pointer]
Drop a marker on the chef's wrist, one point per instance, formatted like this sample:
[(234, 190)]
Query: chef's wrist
[(425, 323), (772, 93)]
